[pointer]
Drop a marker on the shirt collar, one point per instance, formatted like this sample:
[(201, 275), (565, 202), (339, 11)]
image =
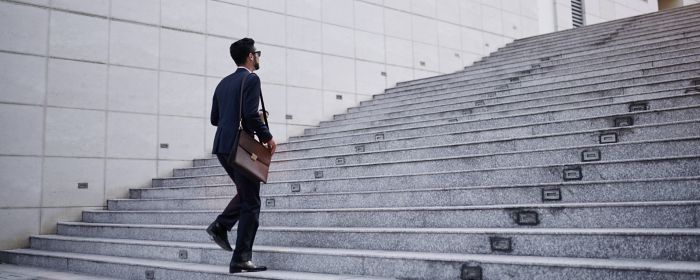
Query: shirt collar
[(245, 69)]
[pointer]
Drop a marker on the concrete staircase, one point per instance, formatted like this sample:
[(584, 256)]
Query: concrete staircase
[(571, 155)]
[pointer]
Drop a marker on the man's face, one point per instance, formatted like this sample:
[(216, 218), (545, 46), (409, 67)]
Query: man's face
[(256, 61)]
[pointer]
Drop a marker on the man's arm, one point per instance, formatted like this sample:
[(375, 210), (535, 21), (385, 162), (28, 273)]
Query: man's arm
[(214, 119), (251, 102)]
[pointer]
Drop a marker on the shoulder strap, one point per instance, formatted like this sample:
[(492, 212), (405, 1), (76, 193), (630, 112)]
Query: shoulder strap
[(262, 101), (240, 103)]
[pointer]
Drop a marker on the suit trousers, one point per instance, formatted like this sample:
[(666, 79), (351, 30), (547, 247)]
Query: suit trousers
[(244, 208)]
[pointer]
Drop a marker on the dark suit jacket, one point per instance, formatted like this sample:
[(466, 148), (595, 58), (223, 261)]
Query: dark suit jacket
[(225, 106)]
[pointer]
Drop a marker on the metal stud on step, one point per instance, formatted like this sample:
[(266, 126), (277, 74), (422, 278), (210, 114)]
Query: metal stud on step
[(318, 174), (551, 194), (479, 103), (623, 121), (296, 187), (501, 244), (639, 106), (182, 254), (514, 79), (360, 149), (150, 274), (573, 173), (607, 138), (452, 120), (527, 218), (471, 272), (379, 136), (590, 155), (695, 84), (270, 202), (339, 161)]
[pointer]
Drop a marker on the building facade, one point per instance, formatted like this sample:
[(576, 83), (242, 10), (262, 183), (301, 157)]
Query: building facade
[(100, 96)]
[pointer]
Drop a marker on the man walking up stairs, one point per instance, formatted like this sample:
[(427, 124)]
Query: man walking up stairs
[(571, 155)]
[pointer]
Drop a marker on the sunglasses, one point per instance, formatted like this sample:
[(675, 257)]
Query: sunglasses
[(258, 53)]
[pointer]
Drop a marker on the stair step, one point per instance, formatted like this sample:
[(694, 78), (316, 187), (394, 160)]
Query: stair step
[(524, 68), (656, 214), (639, 79), (501, 114), (625, 32), (595, 43), (307, 192), (589, 243), (465, 130), (544, 69), (417, 265), (551, 73), (493, 62), (679, 166), (136, 268), (479, 66), (495, 101), (16, 272), (602, 41), (446, 160), (495, 96), (613, 24), (217, 196), (376, 149)]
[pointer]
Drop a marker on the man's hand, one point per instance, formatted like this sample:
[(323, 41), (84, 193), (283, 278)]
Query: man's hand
[(272, 146)]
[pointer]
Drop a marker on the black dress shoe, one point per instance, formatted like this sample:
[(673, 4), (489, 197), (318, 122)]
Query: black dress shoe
[(219, 235), (245, 266)]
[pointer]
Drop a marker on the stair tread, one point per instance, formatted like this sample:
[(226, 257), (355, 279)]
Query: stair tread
[(540, 77), (625, 264), (19, 272), (479, 141), (522, 151), (458, 171), (441, 208), (371, 123), (355, 133), (515, 138), (469, 187), (185, 266), (567, 231), (399, 190)]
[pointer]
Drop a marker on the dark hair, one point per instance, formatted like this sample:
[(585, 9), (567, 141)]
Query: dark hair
[(240, 49)]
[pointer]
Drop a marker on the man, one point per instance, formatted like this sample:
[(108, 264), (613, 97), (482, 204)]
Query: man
[(244, 208)]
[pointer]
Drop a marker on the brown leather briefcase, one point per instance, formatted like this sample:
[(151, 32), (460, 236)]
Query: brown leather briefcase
[(248, 155)]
